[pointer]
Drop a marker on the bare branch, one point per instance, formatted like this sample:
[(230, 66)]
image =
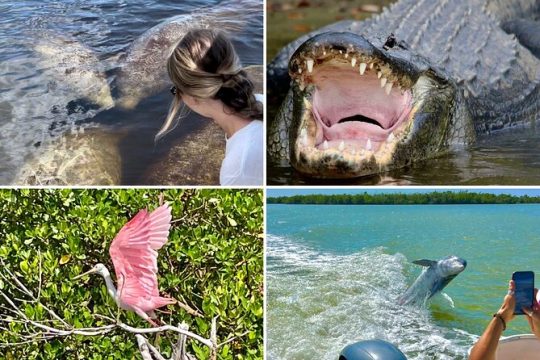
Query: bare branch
[(105, 329), (143, 347), (54, 327), (161, 198), (188, 309), (180, 349), (23, 289), (165, 328), (154, 351), (213, 339), (232, 339), (40, 276)]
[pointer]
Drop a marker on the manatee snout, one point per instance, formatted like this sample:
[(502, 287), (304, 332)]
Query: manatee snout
[(104, 97)]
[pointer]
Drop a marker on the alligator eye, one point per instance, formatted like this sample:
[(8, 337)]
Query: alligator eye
[(390, 42)]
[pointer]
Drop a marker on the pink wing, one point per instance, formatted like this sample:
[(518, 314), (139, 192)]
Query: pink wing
[(134, 255)]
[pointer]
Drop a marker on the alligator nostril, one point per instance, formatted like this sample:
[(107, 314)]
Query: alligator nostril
[(390, 42)]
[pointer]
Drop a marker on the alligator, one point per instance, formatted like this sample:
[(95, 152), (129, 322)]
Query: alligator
[(421, 79)]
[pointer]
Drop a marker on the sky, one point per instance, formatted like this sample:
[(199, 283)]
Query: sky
[(328, 191)]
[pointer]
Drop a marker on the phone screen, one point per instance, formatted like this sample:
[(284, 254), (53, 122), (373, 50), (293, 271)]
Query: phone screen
[(524, 292)]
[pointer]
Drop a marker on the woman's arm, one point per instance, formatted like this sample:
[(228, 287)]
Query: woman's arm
[(486, 347), (533, 316)]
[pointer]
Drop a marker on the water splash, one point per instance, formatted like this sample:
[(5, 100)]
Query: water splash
[(319, 302)]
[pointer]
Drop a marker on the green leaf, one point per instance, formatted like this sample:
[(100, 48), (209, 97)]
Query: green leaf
[(65, 259), (23, 265), (232, 221)]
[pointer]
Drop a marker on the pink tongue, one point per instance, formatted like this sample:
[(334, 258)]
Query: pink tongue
[(342, 92)]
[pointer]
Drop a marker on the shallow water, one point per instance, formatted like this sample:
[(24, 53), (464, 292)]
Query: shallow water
[(334, 273), (34, 107), (507, 158)]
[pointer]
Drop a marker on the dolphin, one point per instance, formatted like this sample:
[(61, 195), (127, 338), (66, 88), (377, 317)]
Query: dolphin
[(143, 69), (433, 279)]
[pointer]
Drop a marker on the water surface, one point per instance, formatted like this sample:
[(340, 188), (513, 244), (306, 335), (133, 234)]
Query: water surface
[(35, 108), (334, 273), (509, 158)]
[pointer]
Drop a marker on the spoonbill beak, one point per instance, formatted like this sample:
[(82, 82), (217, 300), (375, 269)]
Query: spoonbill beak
[(91, 271)]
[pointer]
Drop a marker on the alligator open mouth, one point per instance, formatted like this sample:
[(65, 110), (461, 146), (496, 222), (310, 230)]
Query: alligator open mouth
[(360, 106), (355, 107)]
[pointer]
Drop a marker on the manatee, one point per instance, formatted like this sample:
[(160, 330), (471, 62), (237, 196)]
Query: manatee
[(75, 66), (143, 70), (90, 157)]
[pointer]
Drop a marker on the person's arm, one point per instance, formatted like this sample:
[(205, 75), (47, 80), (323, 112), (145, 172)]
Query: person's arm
[(486, 347), (533, 316)]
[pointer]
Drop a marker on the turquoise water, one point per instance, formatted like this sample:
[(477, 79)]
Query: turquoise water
[(334, 273)]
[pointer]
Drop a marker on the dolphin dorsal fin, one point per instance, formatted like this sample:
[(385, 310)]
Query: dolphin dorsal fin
[(424, 262)]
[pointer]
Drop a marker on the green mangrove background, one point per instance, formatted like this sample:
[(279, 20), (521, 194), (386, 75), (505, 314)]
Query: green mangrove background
[(213, 262), (446, 197)]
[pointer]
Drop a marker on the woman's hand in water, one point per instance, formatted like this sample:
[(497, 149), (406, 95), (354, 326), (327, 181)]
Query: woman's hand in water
[(509, 303), (533, 316)]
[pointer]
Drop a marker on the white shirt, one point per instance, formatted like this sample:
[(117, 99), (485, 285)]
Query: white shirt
[(243, 162)]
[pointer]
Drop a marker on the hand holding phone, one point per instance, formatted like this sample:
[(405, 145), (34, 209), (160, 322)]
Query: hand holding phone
[(524, 290)]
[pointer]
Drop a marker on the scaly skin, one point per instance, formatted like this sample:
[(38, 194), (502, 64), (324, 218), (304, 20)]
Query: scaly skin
[(489, 80)]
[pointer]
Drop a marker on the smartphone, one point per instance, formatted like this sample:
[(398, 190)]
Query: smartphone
[(524, 292)]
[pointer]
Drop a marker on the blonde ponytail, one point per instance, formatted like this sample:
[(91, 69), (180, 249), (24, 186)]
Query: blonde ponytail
[(205, 65)]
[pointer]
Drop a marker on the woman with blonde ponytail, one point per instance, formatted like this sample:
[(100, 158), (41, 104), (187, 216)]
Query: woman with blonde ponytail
[(209, 80)]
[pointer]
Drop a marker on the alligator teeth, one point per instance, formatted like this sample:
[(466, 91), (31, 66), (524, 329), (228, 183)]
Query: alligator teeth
[(303, 132), (299, 70), (309, 63), (342, 146), (390, 138), (346, 55), (325, 145), (388, 88), (379, 74), (368, 144), (383, 82), (353, 61), (362, 68), (371, 65)]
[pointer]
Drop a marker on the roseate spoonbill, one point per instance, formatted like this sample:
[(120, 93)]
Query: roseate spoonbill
[(134, 255)]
